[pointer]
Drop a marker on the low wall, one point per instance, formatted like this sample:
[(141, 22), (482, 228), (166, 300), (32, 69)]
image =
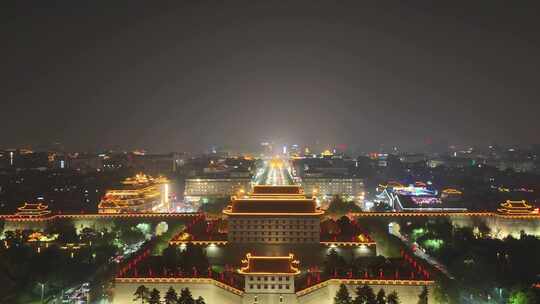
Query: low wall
[(215, 292), (95, 221), (209, 289), (501, 226), (326, 294)]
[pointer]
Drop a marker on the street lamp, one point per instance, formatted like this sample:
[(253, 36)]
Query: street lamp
[(42, 290)]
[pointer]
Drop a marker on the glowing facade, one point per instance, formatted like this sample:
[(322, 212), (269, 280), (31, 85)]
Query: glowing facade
[(141, 193), (265, 274), (517, 208), (33, 210), (197, 189), (326, 187), (451, 194), (274, 214)]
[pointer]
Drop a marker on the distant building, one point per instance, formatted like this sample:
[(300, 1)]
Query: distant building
[(451, 162), (29, 210), (451, 194), (275, 215), (26, 159), (139, 194), (517, 165), (324, 164), (326, 186), (117, 161), (417, 198), (200, 189), (517, 208), (412, 158), (85, 163), (155, 163)]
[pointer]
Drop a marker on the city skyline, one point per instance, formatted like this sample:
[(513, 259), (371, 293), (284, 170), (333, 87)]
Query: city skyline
[(292, 152)]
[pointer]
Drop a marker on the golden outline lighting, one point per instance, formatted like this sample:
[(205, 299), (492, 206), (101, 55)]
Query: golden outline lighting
[(517, 208), (29, 210), (141, 193), (252, 265), (274, 201)]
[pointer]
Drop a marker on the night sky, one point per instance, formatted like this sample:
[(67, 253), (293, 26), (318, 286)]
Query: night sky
[(183, 75)]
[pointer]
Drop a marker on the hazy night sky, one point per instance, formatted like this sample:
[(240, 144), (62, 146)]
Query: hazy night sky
[(181, 75)]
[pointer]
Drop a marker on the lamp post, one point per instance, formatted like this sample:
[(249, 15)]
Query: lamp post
[(42, 290)]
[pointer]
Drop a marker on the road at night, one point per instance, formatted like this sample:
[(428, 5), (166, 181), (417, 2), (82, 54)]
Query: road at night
[(275, 172)]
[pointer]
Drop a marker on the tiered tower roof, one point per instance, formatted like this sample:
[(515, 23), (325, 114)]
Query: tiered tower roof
[(269, 265), (33, 210), (517, 208), (273, 200)]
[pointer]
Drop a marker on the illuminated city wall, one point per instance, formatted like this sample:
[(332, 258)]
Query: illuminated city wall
[(123, 292), (500, 226), (96, 223), (326, 294), (270, 298), (24, 225)]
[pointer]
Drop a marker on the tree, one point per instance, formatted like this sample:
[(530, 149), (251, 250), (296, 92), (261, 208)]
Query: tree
[(193, 257), (199, 300), (154, 297), (65, 229), (381, 297), (521, 297), (345, 225), (215, 206), (342, 295), (330, 226), (392, 298), (334, 263), (338, 207), (186, 297), (171, 257), (171, 297), (142, 293), (364, 295), (130, 234), (423, 296), (447, 291)]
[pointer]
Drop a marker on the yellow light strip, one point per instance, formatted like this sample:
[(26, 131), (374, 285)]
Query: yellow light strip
[(290, 257), (274, 213), (181, 280), (365, 282)]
